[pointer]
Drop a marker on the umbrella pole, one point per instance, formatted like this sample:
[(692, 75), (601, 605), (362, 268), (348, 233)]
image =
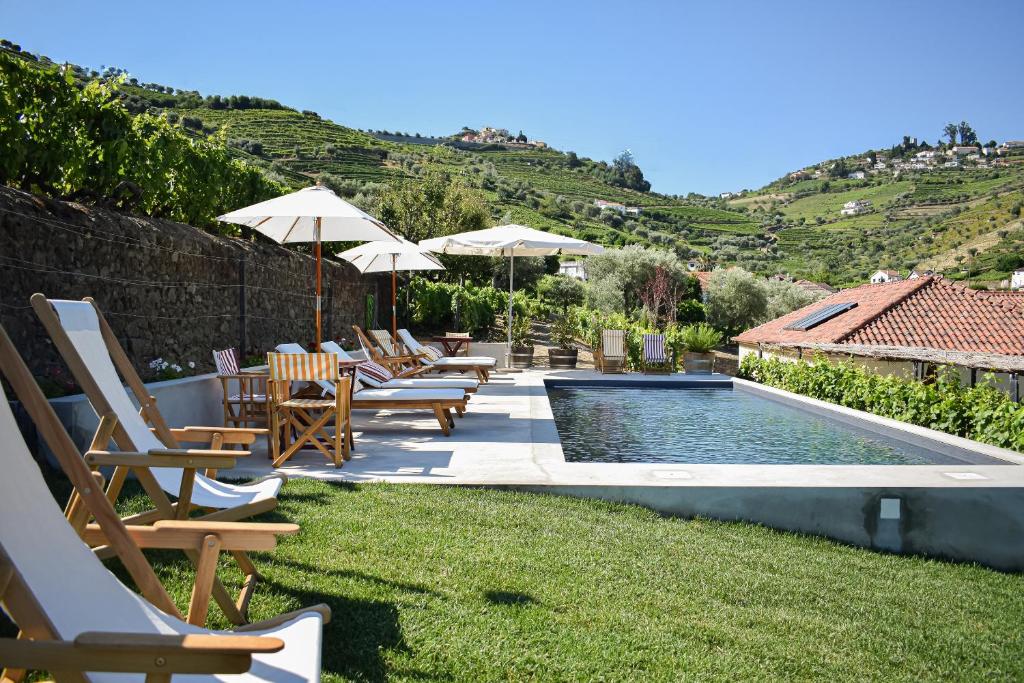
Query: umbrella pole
[(318, 282), (394, 298), (511, 266)]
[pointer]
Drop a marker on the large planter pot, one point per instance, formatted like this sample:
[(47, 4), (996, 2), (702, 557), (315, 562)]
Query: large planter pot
[(698, 363), (562, 358), (521, 357)]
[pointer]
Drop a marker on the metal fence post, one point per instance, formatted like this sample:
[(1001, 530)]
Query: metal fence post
[(242, 341)]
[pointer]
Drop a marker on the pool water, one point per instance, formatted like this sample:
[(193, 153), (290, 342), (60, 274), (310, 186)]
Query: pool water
[(713, 426)]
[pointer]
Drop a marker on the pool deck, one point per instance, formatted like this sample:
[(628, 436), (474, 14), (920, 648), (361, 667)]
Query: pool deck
[(508, 440), (508, 437)]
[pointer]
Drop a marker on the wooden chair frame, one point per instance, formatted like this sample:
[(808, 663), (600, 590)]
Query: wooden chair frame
[(308, 418), (401, 364), (610, 364), (246, 409), (656, 368), (38, 646), (128, 459)]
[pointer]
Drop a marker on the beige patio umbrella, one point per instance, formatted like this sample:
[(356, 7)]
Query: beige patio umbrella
[(509, 240), (313, 214), (380, 257)]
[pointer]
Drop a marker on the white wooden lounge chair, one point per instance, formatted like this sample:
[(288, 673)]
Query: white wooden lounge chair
[(441, 401), (432, 359), (401, 363), (80, 623), (611, 356), (95, 358)]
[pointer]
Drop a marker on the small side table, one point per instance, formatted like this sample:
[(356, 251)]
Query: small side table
[(452, 345)]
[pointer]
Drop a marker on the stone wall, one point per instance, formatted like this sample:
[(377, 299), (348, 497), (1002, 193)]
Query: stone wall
[(169, 290)]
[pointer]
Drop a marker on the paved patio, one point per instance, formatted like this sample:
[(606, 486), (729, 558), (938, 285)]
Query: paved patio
[(508, 437)]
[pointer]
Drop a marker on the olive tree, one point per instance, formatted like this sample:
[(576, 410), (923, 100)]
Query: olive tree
[(736, 300)]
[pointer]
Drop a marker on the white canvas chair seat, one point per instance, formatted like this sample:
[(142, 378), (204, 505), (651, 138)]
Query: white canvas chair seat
[(80, 323), (78, 594)]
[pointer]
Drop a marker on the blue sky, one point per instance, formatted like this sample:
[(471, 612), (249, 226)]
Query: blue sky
[(709, 96)]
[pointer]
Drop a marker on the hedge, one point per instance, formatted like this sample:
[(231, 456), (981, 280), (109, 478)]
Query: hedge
[(983, 413)]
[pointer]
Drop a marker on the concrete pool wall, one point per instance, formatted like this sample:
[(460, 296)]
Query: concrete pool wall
[(973, 512)]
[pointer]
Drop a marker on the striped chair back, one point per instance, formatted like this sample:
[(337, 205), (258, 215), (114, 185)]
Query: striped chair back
[(226, 361), (384, 341), (613, 343), (654, 348), (308, 367)]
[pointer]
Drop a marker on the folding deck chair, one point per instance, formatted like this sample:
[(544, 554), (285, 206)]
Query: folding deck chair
[(656, 360), (78, 621), (611, 356), (309, 417), (245, 394), (95, 358), (441, 401), (432, 360)]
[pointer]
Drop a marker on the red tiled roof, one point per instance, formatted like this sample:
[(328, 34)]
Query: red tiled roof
[(928, 312), (703, 277)]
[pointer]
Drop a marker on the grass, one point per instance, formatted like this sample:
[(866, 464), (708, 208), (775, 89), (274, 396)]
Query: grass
[(828, 205), (436, 583)]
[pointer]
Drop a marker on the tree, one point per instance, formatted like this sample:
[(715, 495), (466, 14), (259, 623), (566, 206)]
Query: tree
[(736, 300), (967, 134), (950, 131), (520, 137), (437, 205), (561, 291), (838, 169), (573, 161)]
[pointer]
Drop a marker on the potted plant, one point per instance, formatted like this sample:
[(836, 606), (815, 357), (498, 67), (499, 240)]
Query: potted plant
[(522, 342), (564, 353), (699, 340)]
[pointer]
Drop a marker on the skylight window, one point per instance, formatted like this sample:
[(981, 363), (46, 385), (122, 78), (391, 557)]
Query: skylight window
[(819, 316)]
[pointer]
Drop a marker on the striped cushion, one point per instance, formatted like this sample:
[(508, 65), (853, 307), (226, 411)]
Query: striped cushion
[(654, 348), (373, 374), (431, 353), (310, 367), (384, 341), (227, 361)]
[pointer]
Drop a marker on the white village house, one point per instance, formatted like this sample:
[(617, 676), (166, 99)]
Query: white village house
[(572, 269), (855, 207), (1017, 279), (883, 276)]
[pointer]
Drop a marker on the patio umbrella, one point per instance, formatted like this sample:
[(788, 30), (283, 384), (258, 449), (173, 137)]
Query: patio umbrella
[(509, 240), (380, 257), (313, 214)]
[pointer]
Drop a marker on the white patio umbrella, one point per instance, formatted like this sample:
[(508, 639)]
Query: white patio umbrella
[(313, 214), (509, 240), (380, 257)]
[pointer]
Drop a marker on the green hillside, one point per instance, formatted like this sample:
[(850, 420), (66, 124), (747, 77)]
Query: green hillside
[(962, 221)]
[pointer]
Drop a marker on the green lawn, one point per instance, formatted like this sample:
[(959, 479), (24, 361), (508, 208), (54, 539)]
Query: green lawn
[(434, 583), (829, 204)]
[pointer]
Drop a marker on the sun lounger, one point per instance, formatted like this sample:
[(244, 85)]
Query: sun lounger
[(95, 358), (611, 356), (79, 622), (656, 360), (402, 364), (441, 401), (432, 359), (378, 381)]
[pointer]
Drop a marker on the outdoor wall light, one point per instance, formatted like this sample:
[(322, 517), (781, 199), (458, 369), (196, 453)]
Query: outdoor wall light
[(889, 508)]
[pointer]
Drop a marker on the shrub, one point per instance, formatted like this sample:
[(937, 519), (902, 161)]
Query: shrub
[(983, 413), (565, 328), (700, 338)]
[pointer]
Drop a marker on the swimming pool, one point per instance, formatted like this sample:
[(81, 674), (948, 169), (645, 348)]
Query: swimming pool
[(714, 426)]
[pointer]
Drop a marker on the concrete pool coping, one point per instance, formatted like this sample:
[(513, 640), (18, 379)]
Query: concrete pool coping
[(508, 440)]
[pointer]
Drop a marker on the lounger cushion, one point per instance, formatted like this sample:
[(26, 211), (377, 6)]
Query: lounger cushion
[(410, 395), (464, 361), (431, 353), (431, 383)]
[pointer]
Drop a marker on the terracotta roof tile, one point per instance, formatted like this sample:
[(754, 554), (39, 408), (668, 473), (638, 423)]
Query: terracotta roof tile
[(928, 312)]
